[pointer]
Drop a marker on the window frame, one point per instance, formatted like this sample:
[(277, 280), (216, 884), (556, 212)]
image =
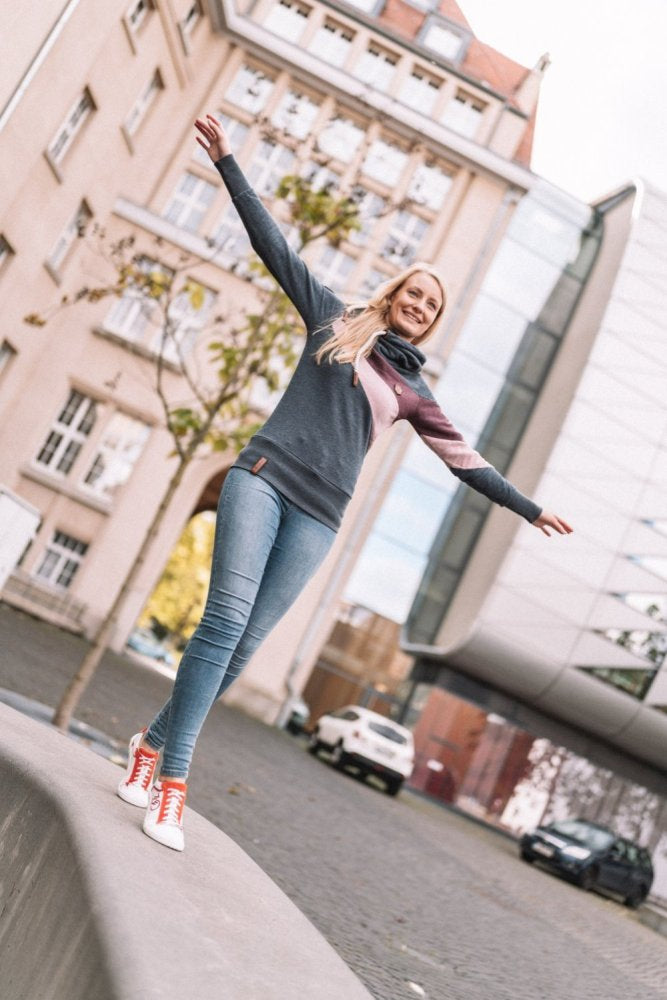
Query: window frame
[(190, 203), (66, 136), (134, 30), (63, 560), (75, 229), (72, 434), (7, 253), (188, 25), (300, 8), (142, 107)]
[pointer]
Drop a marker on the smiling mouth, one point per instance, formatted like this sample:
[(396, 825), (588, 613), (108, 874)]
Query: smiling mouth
[(415, 319)]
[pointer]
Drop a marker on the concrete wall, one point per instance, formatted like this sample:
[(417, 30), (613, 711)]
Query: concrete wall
[(90, 908)]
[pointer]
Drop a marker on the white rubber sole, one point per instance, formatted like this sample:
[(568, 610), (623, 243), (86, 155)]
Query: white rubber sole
[(168, 836)]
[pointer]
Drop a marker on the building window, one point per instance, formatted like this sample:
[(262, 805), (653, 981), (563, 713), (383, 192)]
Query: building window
[(371, 208), (190, 202), (131, 313), (250, 89), (7, 355), (331, 42), (295, 114), (236, 131), (288, 19), (463, 114), (144, 103), (634, 681), (138, 14), (75, 229), (74, 122), (61, 560), (320, 178), (230, 237), (340, 138), (377, 66), (335, 268), (270, 163), (6, 253), (68, 434), (429, 186), (188, 24), (370, 283), (368, 6), (116, 454), (441, 39), (420, 90), (384, 162), (405, 236), (176, 337)]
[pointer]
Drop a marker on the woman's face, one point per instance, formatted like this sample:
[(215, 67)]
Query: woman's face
[(415, 305)]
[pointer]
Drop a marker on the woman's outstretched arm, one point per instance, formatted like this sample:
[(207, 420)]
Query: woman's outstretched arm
[(438, 432), (316, 304)]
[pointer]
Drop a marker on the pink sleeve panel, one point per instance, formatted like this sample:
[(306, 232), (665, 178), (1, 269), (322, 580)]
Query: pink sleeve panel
[(443, 438)]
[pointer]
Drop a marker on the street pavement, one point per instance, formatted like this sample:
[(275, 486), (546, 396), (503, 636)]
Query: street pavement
[(419, 901)]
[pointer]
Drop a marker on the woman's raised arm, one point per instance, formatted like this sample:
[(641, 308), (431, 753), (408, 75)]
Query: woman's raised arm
[(316, 304)]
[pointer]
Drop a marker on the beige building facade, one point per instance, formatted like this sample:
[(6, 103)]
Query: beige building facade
[(402, 103)]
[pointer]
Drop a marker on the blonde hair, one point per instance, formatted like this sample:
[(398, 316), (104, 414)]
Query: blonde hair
[(354, 332)]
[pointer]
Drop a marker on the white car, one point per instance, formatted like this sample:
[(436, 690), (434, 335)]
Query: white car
[(368, 741)]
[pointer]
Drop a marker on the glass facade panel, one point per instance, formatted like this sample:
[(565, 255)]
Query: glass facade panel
[(492, 333), (408, 495), (521, 279), (385, 576)]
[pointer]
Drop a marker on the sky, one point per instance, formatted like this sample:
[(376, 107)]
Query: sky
[(602, 116)]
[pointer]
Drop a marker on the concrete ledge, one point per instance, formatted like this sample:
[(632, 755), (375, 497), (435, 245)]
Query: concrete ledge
[(91, 908)]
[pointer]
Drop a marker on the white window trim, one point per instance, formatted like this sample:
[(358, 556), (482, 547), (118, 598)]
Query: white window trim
[(382, 55), (262, 75), (142, 108), (301, 10), (199, 201), (70, 434), (106, 452), (336, 29), (134, 30), (132, 306), (188, 25), (6, 253), (67, 132), (7, 354), (64, 245), (64, 556)]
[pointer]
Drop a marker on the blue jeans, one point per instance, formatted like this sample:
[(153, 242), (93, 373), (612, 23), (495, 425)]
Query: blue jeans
[(265, 551)]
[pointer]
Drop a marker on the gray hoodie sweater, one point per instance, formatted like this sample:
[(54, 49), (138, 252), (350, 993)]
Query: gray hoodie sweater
[(312, 447)]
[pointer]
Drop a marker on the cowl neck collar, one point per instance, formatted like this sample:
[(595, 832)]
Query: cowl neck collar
[(400, 352)]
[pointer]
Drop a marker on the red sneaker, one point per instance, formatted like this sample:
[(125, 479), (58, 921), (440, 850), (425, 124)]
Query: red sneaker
[(139, 774), (164, 816)]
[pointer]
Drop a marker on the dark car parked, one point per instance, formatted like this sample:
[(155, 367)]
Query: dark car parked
[(592, 856)]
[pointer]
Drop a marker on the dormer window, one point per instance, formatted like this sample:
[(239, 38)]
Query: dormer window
[(448, 40)]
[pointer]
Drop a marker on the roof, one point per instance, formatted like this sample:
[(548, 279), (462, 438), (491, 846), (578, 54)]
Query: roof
[(482, 62)]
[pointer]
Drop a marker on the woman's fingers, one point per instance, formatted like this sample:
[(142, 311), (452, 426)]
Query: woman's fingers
[(548, 520)]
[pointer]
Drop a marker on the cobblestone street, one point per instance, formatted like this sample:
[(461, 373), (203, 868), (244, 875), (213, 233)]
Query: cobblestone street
[(417, 900)]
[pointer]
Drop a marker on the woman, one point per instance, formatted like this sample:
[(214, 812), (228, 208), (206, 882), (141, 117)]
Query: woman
[(284, 498)]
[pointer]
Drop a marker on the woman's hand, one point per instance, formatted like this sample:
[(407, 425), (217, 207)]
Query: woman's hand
[(214, 140), (547, 520)]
